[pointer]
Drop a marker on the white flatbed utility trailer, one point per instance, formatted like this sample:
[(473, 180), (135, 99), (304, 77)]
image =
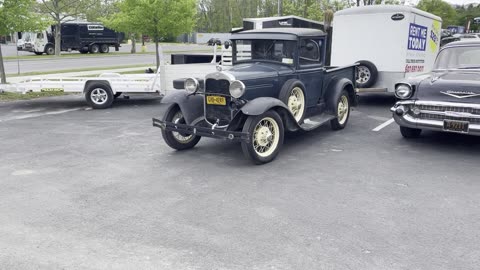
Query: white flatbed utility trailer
[(101, 91)]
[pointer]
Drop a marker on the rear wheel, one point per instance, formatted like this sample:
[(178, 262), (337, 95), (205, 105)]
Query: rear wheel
[(410, 133), (104, 48), (175, 139), (266, 137), (99, 95), (94, 48), (343, 112), (50, 50)]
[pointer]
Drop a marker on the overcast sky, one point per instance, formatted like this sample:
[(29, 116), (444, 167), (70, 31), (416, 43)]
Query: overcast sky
[(460, 2)]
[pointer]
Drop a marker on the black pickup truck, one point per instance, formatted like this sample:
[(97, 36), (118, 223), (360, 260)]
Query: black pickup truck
[(278, 83)]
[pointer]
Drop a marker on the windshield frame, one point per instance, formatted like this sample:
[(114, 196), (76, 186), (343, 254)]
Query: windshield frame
[(253, 60)]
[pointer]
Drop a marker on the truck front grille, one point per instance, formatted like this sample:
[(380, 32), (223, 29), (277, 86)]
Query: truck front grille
[(221, 114)]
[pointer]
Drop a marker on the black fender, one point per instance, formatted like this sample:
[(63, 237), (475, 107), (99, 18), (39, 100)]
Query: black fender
[(334, 90), (192, 106), (259, 106)]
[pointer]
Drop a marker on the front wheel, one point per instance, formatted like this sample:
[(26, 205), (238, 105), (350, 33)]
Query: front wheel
[(174, 139), (50, 50), (266, 137), (410, 133), (343, 112)]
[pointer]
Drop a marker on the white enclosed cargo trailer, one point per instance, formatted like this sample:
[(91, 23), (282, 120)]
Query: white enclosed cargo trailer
[(390, 42)]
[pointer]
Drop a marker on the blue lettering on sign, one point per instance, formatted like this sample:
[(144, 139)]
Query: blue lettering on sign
[(417, 37)]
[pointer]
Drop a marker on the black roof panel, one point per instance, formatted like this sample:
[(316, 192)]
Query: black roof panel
[(287, 33)]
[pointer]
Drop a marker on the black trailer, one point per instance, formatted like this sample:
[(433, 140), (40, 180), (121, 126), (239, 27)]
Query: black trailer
[(87, 37)]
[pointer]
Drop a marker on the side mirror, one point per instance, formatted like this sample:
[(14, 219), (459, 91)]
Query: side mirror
[(227, 44)]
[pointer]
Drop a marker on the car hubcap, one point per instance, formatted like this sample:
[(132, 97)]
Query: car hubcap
[(343, 108), (266, 137), (363, 74), (99, 96), (296, 102), (178, 119)]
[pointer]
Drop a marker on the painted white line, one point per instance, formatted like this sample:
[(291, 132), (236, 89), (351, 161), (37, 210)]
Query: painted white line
[(383, 125), (34, 115)]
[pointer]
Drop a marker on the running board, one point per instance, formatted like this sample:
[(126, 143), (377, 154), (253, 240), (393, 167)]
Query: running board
[(316, 121)]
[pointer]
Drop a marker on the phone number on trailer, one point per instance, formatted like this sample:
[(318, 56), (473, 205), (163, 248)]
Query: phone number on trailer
[(414, 68)]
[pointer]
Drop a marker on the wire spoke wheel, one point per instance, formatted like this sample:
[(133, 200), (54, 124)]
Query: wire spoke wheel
[(178, 119), (343, 109), (265, 137), (296, 103)]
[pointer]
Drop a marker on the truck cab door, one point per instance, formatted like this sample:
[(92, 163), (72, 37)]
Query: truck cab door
[(40, 42), (311, 57)]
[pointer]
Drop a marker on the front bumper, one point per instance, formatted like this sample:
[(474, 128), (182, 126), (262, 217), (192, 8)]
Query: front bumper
[(403, 114), (211, 132)]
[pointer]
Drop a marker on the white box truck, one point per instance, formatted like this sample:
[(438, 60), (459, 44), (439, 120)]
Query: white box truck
[(390, 42)]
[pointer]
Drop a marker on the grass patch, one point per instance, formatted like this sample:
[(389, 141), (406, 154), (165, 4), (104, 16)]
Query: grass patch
[(9, 96), (74, 70)]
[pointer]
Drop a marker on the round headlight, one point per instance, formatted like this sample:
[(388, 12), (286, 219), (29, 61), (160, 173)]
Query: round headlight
[(191, 85), (403, 91), (237, 89)]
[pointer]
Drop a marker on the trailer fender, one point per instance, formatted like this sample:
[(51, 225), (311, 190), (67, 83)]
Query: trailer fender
[(334, 90), (263, 104), (89, 82), (190, 105)]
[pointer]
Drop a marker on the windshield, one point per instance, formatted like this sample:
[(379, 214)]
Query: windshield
[(261, 49), (459, 58)]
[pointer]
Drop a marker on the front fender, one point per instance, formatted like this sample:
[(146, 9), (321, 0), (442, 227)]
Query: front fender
[(334, 90), (260, 105), (190, 105)]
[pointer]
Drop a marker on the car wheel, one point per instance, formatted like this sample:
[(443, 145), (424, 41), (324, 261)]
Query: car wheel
[(99, 95), (410, 133), (293, 95), (104, 48), (174, 139), (38, 53), (343, 112), (94, 48), (367, 74), (50, 50), (266, 137)]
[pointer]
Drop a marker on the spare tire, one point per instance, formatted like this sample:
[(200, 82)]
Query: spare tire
[(367, 74)]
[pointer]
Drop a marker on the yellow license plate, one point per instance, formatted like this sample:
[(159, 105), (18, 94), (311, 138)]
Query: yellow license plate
[(216, 100)]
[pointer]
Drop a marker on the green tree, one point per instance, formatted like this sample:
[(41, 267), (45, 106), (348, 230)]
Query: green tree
[(156, 18), (16, 16), (63, 11), (440, 8)]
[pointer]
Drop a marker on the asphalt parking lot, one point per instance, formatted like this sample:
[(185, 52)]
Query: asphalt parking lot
[(99, 189)]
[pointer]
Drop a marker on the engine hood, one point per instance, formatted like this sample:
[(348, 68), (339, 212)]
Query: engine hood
[(449, 86), (258, 70)]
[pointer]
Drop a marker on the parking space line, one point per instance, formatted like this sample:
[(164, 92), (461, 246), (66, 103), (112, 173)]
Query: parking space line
[(34, 115), (385, 124)]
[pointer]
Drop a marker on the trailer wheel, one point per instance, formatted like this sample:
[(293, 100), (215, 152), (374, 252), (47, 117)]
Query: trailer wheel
[(38, 53), (99, 95), (367, 74), (104, 48), (50, 50), (94, 48)]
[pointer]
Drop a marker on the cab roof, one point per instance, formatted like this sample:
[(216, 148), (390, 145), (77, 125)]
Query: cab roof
[(278, 33)]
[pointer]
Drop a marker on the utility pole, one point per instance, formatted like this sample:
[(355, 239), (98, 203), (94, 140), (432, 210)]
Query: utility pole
[(279, 8)]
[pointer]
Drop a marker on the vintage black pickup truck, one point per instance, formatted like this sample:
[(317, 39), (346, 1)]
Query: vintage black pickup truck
[(447, 99), (278, 83)]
